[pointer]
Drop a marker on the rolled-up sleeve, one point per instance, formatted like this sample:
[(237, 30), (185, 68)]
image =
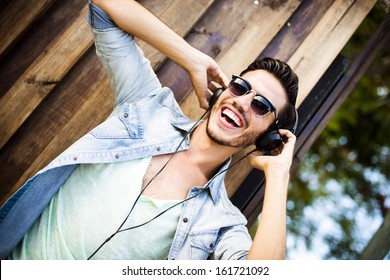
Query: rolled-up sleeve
[(131, 75), (234, 244)]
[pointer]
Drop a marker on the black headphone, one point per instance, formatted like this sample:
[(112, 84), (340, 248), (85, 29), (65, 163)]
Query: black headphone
[(270, 139)]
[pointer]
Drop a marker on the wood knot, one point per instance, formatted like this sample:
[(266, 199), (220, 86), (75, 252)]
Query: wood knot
[(41, 82)]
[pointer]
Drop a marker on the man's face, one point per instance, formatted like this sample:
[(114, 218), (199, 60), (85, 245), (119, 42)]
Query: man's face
[(232, 122)]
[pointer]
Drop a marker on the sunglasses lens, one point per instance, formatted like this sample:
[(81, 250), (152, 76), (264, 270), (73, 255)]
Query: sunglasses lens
[(259, 105), (259, 108), (237, 89)]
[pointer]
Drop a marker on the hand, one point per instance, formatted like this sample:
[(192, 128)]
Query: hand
[(204, 71), (281, 158)]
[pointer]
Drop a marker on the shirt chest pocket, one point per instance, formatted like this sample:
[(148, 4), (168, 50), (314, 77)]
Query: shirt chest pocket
[(127, 124), (203, 244)]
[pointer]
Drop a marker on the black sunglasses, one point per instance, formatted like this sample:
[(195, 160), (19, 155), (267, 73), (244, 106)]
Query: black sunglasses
[(260, 105)]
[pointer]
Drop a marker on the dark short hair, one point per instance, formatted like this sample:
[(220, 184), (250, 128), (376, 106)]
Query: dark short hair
[(289, 80)]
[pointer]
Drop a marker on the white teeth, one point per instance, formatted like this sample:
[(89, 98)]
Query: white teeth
[(232, 116)]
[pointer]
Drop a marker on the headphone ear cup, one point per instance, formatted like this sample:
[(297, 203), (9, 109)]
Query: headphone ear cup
[(268, 141), (271, 140), (215, 97)]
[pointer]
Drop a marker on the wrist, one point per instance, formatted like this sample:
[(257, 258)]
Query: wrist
[(192, 60), (277, 170), (277, 173)]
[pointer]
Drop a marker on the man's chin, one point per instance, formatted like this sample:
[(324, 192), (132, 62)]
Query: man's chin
[(237, 142), (243, 140)]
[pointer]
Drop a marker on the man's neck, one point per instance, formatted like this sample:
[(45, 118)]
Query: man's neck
[(207, 154)]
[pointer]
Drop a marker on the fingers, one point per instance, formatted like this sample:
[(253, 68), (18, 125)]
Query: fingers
[(205, 90), (286, 132), (204, 75), (203, 103), (199, 82), (281, 158), (221, 79), (291, 139), (213, 86)]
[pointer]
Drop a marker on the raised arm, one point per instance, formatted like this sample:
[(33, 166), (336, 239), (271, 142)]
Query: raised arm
[(138, 21), (270, 238)]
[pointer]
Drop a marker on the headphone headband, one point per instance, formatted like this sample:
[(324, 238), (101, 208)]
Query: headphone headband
[(294, 128)]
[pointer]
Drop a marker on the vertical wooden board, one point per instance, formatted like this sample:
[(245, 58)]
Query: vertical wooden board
[(35, 41), (16, 18), (36, 80), (172, 14), (248, 44), (81, 116), (70, 123), (326, 40), (315, 55), (40, 78), (25, 153), (261, 27), (379, 41), (302, 22), (45, 72), (216, 31)]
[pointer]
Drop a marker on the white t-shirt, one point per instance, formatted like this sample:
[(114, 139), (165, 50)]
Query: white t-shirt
[(90, 207)]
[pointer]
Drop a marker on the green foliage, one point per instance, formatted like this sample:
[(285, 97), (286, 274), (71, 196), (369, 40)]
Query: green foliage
[(353, 152)]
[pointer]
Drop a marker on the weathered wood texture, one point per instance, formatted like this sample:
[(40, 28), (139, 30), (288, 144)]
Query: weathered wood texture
[(16, 19), (53, 89), (330, 31), (315, 112)]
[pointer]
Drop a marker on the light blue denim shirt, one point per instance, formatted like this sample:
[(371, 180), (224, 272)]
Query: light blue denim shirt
[(146, 121)]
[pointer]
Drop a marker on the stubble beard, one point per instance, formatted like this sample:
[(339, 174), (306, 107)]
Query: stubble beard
[(242, 141)]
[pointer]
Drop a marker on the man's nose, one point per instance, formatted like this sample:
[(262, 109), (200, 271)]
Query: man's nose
[(244, 101)]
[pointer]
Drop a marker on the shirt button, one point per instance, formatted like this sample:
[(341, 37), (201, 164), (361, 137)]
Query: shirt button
[(158, 148), (74, 158), (125, 115), (212, 245), (116, 156), (185, 220)]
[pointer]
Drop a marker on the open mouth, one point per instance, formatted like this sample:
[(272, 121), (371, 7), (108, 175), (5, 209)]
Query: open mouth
[(231, 118)]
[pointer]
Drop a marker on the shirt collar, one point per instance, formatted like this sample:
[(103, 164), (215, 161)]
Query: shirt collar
[(185, 124), (217, 182)]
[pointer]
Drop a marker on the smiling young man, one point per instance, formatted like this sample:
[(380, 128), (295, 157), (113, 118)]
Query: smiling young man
[(148, 183), (237, 124)]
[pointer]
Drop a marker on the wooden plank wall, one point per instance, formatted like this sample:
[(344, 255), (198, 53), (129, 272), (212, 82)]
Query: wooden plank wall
[(53, 89)]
